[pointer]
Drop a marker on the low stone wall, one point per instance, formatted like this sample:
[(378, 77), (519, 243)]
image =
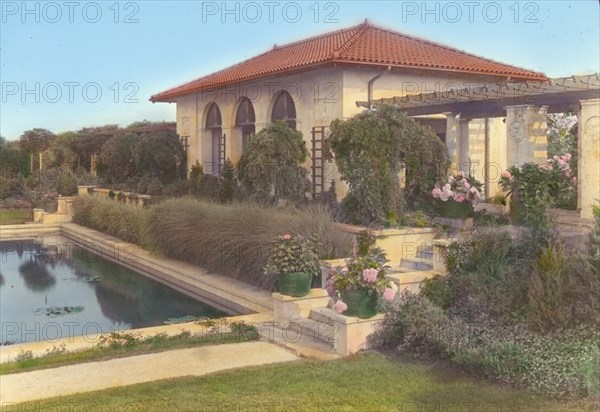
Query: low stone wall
[(398, 244), (117, 195)]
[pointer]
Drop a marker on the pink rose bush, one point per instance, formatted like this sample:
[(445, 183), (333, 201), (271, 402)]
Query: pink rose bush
[(459, 188)]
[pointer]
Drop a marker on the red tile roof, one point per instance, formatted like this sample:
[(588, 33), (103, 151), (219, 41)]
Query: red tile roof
[(364, 44)]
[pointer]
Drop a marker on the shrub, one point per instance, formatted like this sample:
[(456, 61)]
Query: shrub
[(124, 221), (229, 182), (235, 240), (547, 290), (561, 364), (370, 150), (271, 165)]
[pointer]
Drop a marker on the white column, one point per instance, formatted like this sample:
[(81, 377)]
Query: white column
[(588, 167), (526, 129)]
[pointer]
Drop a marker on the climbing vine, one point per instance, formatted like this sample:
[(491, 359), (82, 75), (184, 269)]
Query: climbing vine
[(370, 150)]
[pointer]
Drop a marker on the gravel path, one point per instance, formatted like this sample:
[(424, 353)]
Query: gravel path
[(85, 377)]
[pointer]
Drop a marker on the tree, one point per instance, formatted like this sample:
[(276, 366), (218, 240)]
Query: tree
[(89, 142), (115, 161), (159, 153), (271, 164), (36, 141)]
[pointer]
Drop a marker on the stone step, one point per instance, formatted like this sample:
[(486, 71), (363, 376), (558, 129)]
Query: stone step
[(320, 315), (424, 254), (417, 264), (313, 330)]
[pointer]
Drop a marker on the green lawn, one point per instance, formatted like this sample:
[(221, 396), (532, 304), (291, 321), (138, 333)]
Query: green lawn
[(15, 216), (369, 382)]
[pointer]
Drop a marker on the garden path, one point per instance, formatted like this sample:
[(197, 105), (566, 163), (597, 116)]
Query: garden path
[(92, 376)]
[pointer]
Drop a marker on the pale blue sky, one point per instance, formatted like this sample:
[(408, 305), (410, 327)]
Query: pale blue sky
[(63, 53)]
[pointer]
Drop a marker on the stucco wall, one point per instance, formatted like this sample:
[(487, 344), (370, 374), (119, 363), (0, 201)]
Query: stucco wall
[(322, 95), (316, 96)]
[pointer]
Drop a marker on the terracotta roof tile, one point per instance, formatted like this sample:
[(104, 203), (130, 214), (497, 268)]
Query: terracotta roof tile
[(364, 44)]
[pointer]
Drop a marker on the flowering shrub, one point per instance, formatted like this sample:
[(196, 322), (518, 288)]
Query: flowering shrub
[(293, 254), (459, 188), (15, 203), (533, 184)]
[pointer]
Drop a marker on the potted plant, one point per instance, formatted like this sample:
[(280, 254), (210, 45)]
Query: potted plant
[(294, 261), (455, 197), (356, 288)]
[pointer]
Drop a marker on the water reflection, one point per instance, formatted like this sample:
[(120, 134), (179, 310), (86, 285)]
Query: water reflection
[(37, 278), (104, 293)]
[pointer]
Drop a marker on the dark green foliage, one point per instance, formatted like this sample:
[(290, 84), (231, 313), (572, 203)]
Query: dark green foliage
[(486, 218), (159, 154), (228, 182), (195, 180), (271, 165), (115, 163), (371, 148)]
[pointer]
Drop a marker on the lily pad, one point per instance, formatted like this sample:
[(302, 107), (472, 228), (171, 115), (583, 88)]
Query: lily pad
[(56, 311)]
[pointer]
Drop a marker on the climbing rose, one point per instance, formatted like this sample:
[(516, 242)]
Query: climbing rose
[(370, 275), (340, 306), (388, 294)]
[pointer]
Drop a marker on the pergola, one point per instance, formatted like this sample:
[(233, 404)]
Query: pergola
[(503, 124)]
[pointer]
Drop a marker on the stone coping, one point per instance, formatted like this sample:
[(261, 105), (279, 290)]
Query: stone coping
[(348, 320), (314, 293), (354, 229)]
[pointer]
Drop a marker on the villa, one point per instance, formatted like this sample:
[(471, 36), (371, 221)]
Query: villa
[(490, 114)]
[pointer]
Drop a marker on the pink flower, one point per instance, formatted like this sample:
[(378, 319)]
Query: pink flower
[(467, 185), (370, 275), (574, 179), (436, 192), (330, 288), (287, 237), (459, 197), (506, 174), (460, 173), (451, 179), (389, 294), (340, 306), (567, 157), (344, 270)]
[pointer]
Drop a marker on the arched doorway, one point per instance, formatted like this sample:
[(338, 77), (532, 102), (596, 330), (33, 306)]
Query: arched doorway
[(213, 123), (284, 109), (245, 120)]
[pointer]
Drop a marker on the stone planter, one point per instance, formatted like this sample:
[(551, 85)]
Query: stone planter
[(453, 210), (294, 284), (360, 302)]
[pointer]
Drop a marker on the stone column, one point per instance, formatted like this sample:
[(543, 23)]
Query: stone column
[(453, 138), (526, 128), (589, 157), (464, 149)]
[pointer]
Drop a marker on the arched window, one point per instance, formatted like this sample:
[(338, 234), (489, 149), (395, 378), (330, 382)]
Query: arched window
[(213, 123), (245, 120), (284, 109)]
